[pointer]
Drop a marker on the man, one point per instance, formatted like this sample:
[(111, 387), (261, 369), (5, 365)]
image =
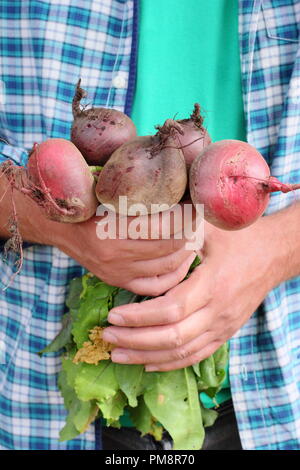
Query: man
[(239, 271)]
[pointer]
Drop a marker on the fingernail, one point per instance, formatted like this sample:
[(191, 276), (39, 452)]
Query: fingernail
[(119, 357), (109, 337), (116, 319), (151, 368)]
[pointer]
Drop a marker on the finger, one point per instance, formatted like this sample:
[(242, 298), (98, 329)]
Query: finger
[(174, 306), (155, 338), (199, 356), (158, 285), (149, 269), (163, 265), (162, 356), (161, 225), (175, 221)]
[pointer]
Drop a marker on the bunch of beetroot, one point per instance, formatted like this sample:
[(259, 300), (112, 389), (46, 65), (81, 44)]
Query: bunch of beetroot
[(229, 177)]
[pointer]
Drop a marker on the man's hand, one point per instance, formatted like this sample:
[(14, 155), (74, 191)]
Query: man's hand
[(193, 319), (146, 267)]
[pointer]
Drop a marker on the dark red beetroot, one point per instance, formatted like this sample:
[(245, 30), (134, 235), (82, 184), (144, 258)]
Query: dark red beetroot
[(232, 180), (58, 178), (98, 132), (148, 170)]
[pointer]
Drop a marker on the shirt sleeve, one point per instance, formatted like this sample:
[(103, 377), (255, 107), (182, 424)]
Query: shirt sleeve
[(18, 155)]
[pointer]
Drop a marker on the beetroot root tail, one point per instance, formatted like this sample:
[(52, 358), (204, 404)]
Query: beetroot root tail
[(273, 184)]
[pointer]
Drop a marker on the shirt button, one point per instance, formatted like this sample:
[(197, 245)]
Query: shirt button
[(120, 81), (244, 372)]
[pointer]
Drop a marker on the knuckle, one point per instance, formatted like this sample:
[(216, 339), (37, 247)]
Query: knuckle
[(181, 353), (177, 311), (176, 339)]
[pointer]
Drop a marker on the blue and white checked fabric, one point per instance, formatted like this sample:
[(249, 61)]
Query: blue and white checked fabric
[(265, 353), (46, 46)]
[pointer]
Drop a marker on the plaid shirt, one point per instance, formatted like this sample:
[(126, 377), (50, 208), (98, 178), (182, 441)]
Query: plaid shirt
[(46, 46)]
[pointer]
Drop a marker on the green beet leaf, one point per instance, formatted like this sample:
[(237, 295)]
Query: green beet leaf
[(70, 369), (63, 339), (123, 297), (173, 401), (130, 377), (141, 416), (73, 297), (66, 390), (69, 430), (84, 413), (211, 372), (221, 357), (143, 420), (81, 413), (112, 408), (209, 416), (93, 310), (96, 382), (208, 372)]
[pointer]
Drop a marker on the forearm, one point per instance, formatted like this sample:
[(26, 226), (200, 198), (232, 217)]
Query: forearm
[(282, 236), (32, 224)]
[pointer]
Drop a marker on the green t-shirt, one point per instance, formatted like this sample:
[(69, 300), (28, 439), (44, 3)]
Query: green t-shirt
[(189, 52)]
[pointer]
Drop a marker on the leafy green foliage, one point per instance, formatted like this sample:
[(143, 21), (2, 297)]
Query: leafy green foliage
[(174, 402), (113, 408), (211, 371), (81, 414), (96, 382), (141, 416), (194, 265), (73, 297), (209, 416), (129, 377), (154, 400), (95, 302), (63, 339), (143, 420), (123, 297)]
